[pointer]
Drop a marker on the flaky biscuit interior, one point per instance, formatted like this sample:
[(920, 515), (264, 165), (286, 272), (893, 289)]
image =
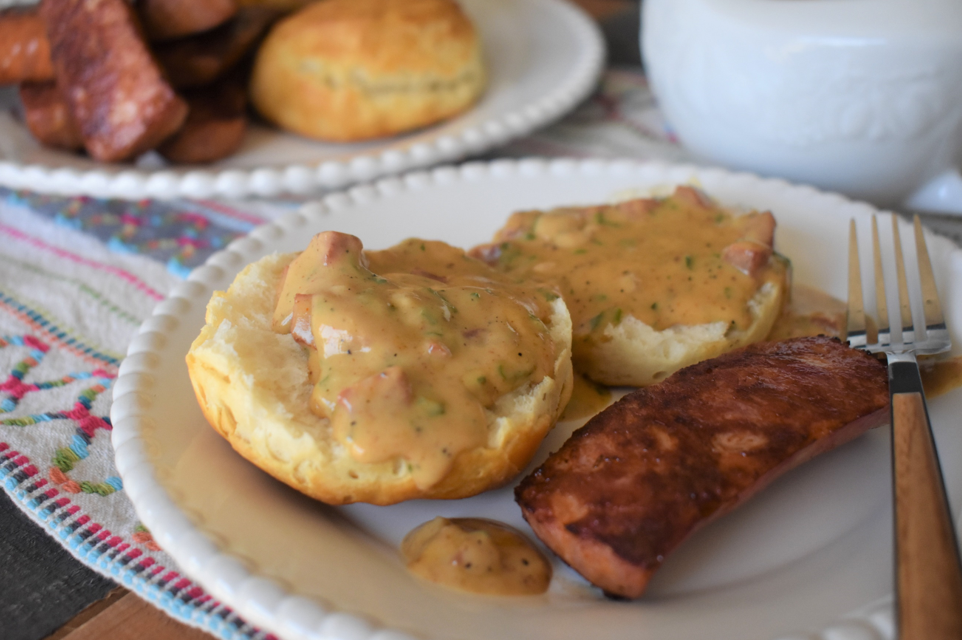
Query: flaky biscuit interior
[(633, 353)]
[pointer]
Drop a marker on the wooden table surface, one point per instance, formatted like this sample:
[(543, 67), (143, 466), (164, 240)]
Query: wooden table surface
[(122, 615)]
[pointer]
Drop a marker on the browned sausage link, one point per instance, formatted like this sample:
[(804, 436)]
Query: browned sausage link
[(215, 126), (24, 48), (168, 19), (108, 77), (627, 488), (48, 117), (199, 60)]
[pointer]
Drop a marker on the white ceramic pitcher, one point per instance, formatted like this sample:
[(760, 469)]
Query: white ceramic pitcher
[(858, 96)]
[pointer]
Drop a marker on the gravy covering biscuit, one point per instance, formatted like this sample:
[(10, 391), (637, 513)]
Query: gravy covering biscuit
[(414, 372), (652, 285), (347, 70)]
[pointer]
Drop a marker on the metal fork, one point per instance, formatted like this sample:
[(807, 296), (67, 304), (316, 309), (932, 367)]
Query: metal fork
[(928, 573)]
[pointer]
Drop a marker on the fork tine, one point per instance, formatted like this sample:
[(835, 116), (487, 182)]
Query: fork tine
[(905, 304), (884, 331), (856, 307), (930, 295)]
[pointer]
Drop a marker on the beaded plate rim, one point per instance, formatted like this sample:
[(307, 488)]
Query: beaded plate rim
[(432, 147)]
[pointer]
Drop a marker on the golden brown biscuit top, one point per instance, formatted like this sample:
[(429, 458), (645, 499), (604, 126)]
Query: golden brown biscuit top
[(410, 347), (382, 36)]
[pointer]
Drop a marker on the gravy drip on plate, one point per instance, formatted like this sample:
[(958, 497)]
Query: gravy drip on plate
[(411, 346), (678, 261), (476, 555), (587, 399), (940, 376), (810, 312)]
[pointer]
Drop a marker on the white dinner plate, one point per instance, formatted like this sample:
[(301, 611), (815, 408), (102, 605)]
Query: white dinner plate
[(543, 58), (810, 554)]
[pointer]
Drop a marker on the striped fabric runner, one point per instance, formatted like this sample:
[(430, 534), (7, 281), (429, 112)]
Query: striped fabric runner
[(72, 294)]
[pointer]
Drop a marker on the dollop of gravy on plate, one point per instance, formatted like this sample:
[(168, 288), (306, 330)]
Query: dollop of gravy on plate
[(476, 555)]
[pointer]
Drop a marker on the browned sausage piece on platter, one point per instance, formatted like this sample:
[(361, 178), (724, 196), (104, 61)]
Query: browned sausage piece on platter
[(215, 127), (48, 117), (201, 59), (115, 90), (24, 48), (168, 19)]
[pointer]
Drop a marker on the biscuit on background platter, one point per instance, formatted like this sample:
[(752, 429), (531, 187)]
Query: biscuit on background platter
[(345, 70)]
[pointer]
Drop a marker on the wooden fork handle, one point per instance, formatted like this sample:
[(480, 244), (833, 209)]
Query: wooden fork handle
[(928, 570)]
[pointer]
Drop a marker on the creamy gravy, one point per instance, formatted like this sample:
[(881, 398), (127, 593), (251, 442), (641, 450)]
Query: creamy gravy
[(587, 399), (413, 346), (810, 312), (476, 555), (665, 262), (813, 312), (940, 376)]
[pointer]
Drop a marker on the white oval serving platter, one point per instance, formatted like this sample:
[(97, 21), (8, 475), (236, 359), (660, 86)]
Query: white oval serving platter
[(543, 58), (810, 557)]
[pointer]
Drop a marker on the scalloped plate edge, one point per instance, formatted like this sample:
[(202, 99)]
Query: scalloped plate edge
[(260, 600)]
